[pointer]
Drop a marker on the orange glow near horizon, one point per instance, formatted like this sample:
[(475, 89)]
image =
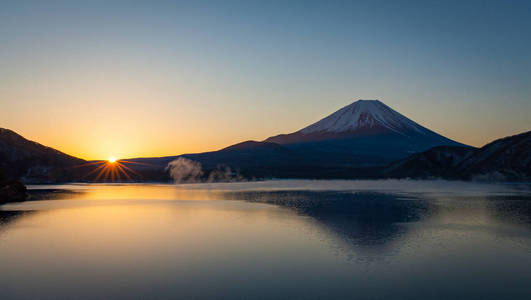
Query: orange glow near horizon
[(90, 135)]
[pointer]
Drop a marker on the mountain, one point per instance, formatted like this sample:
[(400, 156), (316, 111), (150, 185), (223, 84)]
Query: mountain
[(507, 158), (366, 132), (437, 162), (504, 159), (360, 118), (33, 162)]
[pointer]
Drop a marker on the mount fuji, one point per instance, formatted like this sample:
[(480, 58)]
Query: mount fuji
[(364, 118), (367, 131)]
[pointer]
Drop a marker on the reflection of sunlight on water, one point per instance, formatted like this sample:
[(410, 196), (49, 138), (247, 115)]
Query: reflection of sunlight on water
[(130, 191), (139, 230), (344, 237), (83, 246)]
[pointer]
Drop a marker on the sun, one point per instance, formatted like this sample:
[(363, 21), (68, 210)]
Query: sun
[(112, 169)]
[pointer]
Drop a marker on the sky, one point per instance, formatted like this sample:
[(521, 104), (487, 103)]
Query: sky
[(128, 79)]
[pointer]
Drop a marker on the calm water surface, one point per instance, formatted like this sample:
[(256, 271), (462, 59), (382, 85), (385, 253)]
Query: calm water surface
[(272, 239)]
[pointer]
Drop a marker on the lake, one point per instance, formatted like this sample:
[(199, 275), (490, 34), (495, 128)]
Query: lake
[(287, 239)]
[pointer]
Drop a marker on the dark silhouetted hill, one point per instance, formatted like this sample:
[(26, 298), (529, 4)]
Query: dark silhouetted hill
[(504, 159), (33, 162)]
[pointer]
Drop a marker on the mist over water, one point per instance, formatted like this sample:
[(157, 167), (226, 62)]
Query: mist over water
[(183, 170), (424, 187), (269, 239)]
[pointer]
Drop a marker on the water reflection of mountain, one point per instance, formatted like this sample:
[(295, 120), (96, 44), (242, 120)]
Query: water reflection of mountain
[(362, 219), (7, 217), (53, 194), (510, 209)]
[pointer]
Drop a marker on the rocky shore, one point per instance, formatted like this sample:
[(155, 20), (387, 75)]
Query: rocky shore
[(12, 191)]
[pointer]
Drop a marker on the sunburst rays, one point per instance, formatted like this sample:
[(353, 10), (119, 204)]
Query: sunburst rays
[(111, 171)]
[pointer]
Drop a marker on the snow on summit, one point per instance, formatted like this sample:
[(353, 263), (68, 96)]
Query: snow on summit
[(367, 124), (364, 115)]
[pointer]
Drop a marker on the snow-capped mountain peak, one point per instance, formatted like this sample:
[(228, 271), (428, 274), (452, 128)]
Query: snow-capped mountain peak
[(367, 124), (363, 115)]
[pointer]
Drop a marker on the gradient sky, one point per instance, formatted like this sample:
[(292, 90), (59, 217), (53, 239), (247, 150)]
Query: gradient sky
[(129, 78)]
